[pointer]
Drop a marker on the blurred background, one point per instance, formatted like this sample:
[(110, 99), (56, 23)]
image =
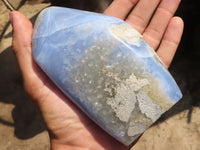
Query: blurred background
[(22, 127)]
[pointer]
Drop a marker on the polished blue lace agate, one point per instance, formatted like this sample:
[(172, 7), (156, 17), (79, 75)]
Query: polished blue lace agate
[(106, 68)]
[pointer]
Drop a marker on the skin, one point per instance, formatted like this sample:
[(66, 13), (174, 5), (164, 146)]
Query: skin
[(68, 127)]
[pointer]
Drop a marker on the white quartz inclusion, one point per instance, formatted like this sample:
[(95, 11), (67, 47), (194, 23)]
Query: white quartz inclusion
[(147, 107), (128, 93), (123, 103), (127, 33)]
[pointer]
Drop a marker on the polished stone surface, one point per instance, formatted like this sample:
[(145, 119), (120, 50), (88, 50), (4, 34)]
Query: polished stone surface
[(106, 68)]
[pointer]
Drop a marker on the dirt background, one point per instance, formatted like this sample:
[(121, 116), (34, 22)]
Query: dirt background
[(21, 126)]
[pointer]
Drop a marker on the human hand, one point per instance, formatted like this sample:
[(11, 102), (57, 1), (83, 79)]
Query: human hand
[(68, 127), (154, 20)]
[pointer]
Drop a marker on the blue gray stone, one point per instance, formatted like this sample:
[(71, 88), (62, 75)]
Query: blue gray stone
[(106, 68)]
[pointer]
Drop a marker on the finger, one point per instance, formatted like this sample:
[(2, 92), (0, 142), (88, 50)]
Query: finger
[(171, 40), (22, 47), (22, 36), (120, 8), (159, 22), (141, 14)]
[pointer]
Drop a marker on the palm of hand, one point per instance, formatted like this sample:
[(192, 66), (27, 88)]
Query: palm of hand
[(68, 127)]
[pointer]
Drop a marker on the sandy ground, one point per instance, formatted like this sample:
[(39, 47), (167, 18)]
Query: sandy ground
[(21, 126)]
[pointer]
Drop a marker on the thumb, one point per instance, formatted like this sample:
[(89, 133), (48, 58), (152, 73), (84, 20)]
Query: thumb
[(22, 37)]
